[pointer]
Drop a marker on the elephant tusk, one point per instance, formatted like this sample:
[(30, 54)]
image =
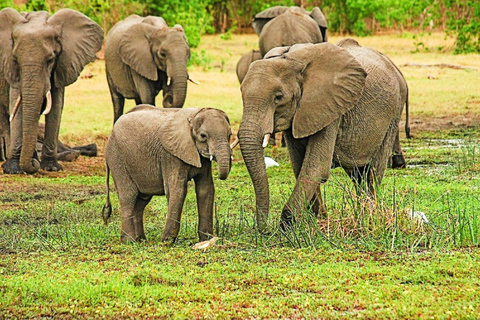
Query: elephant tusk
[(49, 103), (234, 143), (211, 158), (15, 108), (193, 81), (265, 140), (169, 81)]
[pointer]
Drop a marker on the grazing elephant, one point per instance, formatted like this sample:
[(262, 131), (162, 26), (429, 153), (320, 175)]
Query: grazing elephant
[(156, 152), (285, 26), (41, 55), (144, 56), (244, 63), (338, 103)]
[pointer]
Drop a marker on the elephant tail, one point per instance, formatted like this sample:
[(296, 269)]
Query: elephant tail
[(107, 208), (407, 125)]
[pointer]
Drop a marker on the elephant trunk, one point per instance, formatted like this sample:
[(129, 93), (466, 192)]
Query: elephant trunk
[(178, 86), (223, 156), (33, 95), (251, 137)]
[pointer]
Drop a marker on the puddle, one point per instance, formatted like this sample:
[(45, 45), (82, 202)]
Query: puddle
[(441, 144)]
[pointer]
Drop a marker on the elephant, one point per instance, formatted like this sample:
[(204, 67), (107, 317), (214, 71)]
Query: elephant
[(41, 55), (156, 151), (64, 152), (144, 56), (285, 26), (244, 63), (334, 103)]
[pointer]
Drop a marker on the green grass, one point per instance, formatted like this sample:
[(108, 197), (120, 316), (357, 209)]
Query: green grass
[(366, 259)]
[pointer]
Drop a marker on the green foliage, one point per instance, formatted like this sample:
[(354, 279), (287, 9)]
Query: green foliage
[(191, 15), (464, 22)]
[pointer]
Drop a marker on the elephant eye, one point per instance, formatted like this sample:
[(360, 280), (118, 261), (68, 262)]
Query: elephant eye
[(203, 136), (278, 97), (162, 54)]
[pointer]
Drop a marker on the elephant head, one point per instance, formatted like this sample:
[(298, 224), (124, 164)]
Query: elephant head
[(40, 51), (262, 18), (191, 133), (168, 52), (302, 88)]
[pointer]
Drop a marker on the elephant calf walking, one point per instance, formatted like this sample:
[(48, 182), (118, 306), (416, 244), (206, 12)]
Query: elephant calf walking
[(156, 152)]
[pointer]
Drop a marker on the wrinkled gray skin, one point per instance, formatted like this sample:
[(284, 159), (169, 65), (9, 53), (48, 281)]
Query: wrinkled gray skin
[(40, 54), (244, 63), (140, 54), (285, 26), (156, 152), (333, 103)]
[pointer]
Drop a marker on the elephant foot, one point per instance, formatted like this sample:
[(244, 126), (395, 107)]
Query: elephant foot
[(287, 220), (126, 238), (12, 166), (50, 165), (398, 161), (68, 156), (90, 150)]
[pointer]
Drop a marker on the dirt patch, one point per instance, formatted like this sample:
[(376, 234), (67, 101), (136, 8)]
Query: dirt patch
[(423, 123), (15, 193)]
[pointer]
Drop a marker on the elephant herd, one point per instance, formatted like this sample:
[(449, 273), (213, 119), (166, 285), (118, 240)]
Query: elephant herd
[(336, 105)]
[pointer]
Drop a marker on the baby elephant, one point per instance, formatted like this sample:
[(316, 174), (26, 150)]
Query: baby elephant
[(155, 151)]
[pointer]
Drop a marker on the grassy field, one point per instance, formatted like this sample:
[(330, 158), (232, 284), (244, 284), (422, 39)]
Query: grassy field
[(366, 260)]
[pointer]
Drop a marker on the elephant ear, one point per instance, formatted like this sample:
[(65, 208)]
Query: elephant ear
[(320, 19), (135, 50), (81, 38), (176, 137), (262, 18), (333, 82), (8, 19)]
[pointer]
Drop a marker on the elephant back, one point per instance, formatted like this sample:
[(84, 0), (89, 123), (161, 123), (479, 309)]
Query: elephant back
[(288, 29)]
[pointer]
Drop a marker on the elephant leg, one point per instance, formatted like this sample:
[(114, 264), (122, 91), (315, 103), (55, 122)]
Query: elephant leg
[(145, 89), (176, 191), (49, 161), (375, 171), (296, 151), (89, 150), (397, 159), (128, 201), (315, 169), (140, 204), (362, 178), (12, 165), (205, 190), (117, 99)]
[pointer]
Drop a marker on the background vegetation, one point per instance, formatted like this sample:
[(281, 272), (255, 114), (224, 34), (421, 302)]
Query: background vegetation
[(460, 18)]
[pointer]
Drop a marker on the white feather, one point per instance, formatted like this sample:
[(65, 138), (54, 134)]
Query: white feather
[(269, 162)]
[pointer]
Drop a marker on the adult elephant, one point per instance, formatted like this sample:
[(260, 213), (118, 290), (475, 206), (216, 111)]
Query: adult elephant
[(338, 103), (144, 56), (285, 26), (244, 63), (41, 55)]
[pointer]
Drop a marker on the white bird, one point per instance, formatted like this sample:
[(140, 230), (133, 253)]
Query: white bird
[(419, 216), (269, 162), (205, 244)]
